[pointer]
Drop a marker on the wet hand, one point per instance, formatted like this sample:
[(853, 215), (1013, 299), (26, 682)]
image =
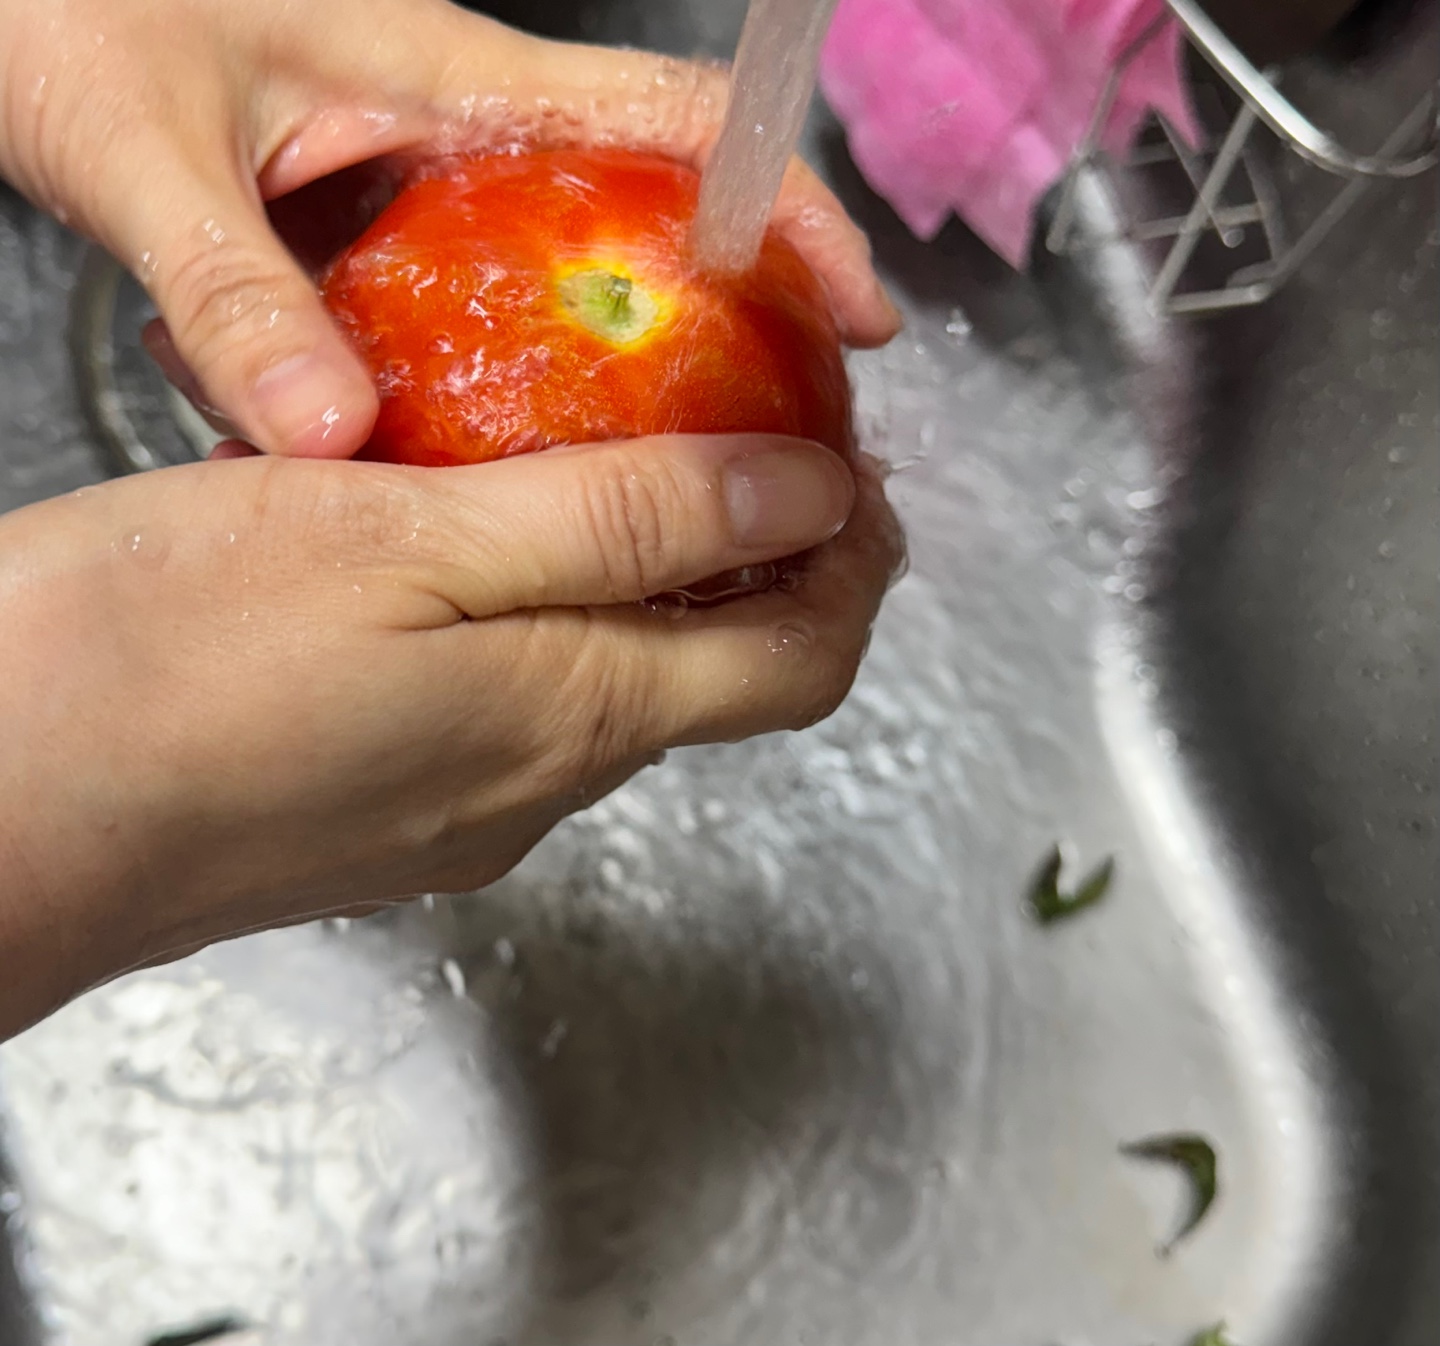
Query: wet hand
[(163, 129), (245, 693)]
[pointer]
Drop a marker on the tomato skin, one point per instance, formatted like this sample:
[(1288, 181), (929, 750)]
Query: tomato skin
[(455, 297)]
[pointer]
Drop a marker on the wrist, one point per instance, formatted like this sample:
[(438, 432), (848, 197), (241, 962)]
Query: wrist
[(71, 910)]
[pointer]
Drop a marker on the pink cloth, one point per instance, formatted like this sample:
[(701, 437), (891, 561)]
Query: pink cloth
[(975, 106)]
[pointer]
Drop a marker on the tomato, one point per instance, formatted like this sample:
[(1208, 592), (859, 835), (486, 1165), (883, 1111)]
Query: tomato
[(515, 302)]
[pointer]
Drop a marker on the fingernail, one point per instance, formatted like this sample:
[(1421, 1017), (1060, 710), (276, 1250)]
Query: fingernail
[(791, 497), (309, 407)]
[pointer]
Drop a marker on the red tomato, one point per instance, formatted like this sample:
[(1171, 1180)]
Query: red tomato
[(518, 302)]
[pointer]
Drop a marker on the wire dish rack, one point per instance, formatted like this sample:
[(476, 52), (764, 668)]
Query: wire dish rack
[(1233, 196)]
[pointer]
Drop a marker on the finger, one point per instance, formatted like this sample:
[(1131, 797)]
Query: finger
[(160, 346), (638, 681), (838, 251), (790, 656), (232, 448), (614, 523), (549, 94), (242, 318)]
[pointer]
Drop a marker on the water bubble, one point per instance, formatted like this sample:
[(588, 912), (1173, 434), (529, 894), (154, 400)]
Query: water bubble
[(1387, 550), (671, 605), (504, 952), (1399, 454)]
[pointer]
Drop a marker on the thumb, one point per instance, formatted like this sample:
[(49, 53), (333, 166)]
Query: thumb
[(243, 317), (617, 522)]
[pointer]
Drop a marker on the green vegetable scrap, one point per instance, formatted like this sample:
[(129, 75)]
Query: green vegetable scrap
[(1196, 1157), (1212, 1336), (1048, 904)]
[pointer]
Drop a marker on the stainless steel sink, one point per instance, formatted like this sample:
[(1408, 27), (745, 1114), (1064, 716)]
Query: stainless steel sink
[(767, 1048)]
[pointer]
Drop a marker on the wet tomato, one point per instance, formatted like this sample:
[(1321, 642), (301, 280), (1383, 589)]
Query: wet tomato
[(512, 303)]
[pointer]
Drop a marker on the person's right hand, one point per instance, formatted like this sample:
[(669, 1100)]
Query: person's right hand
[(240, 694)]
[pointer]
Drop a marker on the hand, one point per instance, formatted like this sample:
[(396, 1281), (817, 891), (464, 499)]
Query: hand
[(161, 129), (240, 694)]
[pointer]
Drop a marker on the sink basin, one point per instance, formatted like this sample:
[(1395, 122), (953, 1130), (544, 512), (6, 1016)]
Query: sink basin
[(767, 1047)]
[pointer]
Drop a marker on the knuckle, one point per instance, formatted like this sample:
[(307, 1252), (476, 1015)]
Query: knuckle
[(361, 519), (219, 299), (350, 518), (629, 511), (607, 698)]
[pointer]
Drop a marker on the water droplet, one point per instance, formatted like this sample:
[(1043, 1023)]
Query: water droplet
[(787, 637), (504, 952), (148, 549), (454, 976), (550, 1043), (1399, 454), (958, 326), (1387, 550)]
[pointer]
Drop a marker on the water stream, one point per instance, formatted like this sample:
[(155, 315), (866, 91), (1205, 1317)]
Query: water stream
[(770, 89)]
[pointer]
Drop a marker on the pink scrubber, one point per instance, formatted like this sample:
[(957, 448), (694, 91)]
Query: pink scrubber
[(975, 106)]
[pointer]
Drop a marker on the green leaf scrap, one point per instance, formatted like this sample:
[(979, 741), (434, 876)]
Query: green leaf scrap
[(1196, 1157), (1212, 1336), (1048, 904)]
